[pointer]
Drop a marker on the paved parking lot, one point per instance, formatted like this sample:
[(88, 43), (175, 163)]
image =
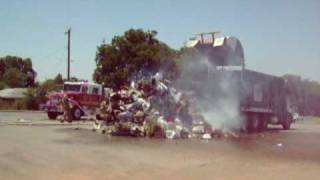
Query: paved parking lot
[(33, 147)]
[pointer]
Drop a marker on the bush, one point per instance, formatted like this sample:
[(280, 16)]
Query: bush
[(31, 100), (19, 105), (3, 85), (33, 97), (14, 77), (4, 105)]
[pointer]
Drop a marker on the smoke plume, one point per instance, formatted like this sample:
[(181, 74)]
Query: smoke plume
[(215, 91)]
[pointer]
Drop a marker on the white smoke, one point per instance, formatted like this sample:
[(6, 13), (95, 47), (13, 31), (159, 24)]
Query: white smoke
[(216, 95), (223, 109)]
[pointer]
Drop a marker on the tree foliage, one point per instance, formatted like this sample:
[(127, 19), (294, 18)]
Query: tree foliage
[(133, 54), (14, 78), (58, 79), (38, 95), (16, 72), (304, 94)]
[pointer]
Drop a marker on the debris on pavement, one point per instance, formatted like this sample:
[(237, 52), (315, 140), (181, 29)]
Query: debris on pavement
[(279, 144), (206, 136), (21, 120)]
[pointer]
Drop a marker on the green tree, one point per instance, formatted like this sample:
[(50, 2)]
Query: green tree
[(135, 53), (58, 79), (304, 94), (31, 100), (16, 71), (2, 68), (14, 78), (38, 95)]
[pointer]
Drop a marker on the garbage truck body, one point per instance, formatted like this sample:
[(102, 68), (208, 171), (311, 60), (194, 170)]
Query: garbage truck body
[(262, 99)]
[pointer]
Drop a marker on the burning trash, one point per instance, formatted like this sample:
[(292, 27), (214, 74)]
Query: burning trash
[(151, 107)]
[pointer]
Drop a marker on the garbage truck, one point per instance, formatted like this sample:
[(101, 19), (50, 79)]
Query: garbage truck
[(261, 98)]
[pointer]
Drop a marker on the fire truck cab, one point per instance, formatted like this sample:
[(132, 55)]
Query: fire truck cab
[(84, 98)]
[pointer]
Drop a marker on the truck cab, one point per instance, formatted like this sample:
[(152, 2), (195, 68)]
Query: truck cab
[(84, 97)]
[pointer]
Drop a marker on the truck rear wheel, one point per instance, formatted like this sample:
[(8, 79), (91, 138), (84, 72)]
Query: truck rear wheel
[(263, 123), (286, 125), (252, 123), (262, 126), (52, 115)]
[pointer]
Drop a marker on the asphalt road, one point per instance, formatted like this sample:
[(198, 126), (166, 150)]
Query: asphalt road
[(33, 147)]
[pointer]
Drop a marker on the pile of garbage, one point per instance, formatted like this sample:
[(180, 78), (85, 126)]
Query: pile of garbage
[(151, 107)]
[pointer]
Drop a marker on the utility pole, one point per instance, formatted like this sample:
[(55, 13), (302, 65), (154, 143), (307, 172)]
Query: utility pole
[(68, 68)]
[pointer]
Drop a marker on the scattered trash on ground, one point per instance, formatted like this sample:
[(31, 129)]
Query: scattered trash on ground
[(21, 120), (151, 107)]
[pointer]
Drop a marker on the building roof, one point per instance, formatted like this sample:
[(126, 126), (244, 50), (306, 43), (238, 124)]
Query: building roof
[(13, 93)]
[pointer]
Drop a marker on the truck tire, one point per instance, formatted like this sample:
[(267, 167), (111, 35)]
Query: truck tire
[(252, 123), (76, 113), (263, 123), (52, 115), (286, 125)]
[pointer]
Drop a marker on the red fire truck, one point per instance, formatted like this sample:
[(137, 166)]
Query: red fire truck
[(84, 97)]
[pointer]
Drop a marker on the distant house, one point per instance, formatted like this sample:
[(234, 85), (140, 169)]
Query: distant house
[(13, 94)]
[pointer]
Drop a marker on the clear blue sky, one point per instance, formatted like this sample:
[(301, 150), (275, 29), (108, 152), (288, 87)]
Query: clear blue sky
[(279, 36)]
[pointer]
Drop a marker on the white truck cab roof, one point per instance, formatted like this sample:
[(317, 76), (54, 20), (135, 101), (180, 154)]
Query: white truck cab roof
[(85, 87)]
